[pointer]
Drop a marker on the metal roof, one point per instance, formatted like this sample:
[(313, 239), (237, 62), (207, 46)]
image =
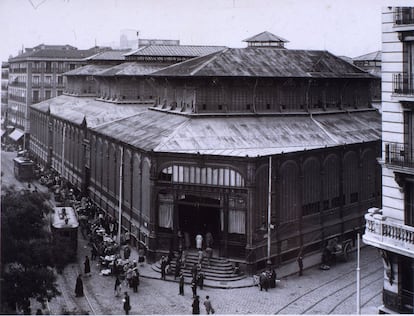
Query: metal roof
[(175, 50), (131, 69), (265, 62), (244, 135), (374, 56), (78, 109), (54, 53), (109, 55), (265, 37), (87, 70)]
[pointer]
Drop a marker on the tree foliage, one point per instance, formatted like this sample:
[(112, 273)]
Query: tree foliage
[(26, 258)]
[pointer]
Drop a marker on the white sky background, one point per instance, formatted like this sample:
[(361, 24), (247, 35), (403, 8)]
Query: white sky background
[(343, 27)]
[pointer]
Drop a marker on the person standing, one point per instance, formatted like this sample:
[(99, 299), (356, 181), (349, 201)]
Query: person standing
[(208, 306), (300, 264), (209, 240), (127, 305), (117, 288), (177, 271), (163, 266), (196, 305), (79, 287), (194, 287), (87, 266), (199, 242), (181, 285)]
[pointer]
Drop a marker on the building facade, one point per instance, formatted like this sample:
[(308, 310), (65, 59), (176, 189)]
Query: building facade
[(36, 75), (4, 102), (221, 143), (391, 228)]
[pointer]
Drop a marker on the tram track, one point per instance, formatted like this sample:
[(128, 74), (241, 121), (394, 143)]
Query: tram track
[(325, 284)]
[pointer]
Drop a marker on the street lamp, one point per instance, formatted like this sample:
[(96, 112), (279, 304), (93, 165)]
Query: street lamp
[(121, 165)]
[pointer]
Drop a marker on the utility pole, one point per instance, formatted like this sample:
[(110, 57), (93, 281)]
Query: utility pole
[(269, 212), (63, 149), (358, 302)]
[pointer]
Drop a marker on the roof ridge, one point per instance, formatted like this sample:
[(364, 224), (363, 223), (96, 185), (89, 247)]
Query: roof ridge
[(214, 56)]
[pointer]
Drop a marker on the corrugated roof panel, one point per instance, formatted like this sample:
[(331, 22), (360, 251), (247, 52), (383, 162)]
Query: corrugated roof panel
[(75, 110), (240, 136), (175, 50), (130, 69)]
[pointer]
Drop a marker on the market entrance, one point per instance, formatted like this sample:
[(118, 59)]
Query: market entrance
[(199, 215)]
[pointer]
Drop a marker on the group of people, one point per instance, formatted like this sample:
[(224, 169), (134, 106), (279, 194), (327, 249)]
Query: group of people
[(267, 279), (207, 305)]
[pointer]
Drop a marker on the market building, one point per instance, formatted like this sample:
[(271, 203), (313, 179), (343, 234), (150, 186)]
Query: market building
[(391, 228), (235, 142)]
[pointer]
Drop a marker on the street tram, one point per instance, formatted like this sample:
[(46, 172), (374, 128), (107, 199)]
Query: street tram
[(64, 227), (23, 168)]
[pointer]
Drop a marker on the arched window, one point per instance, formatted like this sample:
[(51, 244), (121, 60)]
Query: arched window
[(351, 177), (331, 195), (226, 177), (289, 193), (369, 164), (311, 187)]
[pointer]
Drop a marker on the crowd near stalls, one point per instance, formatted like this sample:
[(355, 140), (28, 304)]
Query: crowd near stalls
[(110, 249)]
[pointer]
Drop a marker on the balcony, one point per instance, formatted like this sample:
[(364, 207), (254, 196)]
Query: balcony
[(403, 16), (386, 234), (399, 156), (403, 86)]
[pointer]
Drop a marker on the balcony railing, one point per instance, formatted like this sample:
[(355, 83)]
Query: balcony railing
[(404, 15), (401, 155), (381, 232), (403, 84)]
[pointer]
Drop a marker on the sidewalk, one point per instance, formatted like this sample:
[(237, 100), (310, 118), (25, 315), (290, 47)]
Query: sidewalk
[(146, 270)]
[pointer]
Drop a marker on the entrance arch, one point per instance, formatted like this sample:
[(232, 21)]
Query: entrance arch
[(199, 215)]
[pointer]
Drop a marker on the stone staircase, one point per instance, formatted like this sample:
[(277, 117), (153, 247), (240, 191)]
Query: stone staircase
[(220, 269)]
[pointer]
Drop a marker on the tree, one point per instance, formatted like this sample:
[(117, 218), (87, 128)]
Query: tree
[(26, 257)]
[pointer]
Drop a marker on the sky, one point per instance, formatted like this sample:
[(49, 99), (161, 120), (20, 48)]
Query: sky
[(343, 27)]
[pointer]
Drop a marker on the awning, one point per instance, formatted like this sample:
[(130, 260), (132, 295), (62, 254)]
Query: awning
[(16, 134)]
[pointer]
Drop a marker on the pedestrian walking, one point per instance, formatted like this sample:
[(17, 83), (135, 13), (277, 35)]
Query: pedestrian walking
[(87, 266), (300, 264), (117, 287), (181, 285), (200, 280), (79, 286), (194, 271), (135, 281), (208, 306), (94, 253), (196, 305), (209, 253), (127, 305)]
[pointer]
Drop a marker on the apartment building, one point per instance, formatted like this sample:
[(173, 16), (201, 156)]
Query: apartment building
[(391, 229), (36, 75), (4, 84)]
